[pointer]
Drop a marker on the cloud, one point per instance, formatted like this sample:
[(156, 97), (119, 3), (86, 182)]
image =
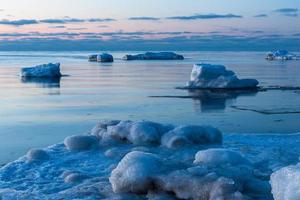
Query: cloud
[(20, 22), (260, 15), (65, 20), (205, 16), (101, 20), (144, 18), (57, 26), (290, 12)]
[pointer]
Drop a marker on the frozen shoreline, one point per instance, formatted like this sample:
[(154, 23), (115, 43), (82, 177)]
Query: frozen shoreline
[(84, 173)]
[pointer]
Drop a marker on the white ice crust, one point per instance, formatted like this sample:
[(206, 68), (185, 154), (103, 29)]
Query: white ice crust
[(145, 160), (46, 70), (217, 76), (286, 183)]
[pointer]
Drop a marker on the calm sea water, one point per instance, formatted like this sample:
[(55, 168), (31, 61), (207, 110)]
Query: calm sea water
[(38, 113)]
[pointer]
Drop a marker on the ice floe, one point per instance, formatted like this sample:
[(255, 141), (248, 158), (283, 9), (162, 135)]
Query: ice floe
[(45, 71), (130, 160), (217, 77), (105, 57), (154, 56), (281, 55)]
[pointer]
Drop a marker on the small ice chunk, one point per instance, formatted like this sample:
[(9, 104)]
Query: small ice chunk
[(286, 183), (105, 57), (217, 76), (219, 157), (135, 173), (154, 56), (81, 142), (37, 155), (184, 135), (45, 70), (281, 55), (75, 177)]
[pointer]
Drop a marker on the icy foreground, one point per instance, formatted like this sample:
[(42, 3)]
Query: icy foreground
[(148, 160), (42, 71), (154, 56), (217, 76)]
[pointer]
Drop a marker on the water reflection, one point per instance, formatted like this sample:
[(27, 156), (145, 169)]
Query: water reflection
[(53, 83), (216, 100)]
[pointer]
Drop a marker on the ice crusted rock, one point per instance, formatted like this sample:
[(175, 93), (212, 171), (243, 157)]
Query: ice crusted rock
[(45, 70), (154, 56), (138, 133), (81, 142), (219, 157), (135, 173), (105, 57), (286, 183), (281, 55), (75, 177), (210, 186), (217, 76), (37, 155), (184, 135)]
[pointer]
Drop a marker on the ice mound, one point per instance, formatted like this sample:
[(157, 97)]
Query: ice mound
[(45, 70), (186, 135), (217, 77), (105, 57), (37, 155), (135, 173), (81, 142), (154, 56), (281, 55), (219, 157), (207, 186), (286, 183), (138, 133)]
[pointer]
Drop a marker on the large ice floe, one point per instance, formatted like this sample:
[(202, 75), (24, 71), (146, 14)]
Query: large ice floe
[(208, 76), (42, 71), (154, 56), (281, 55), (105, 57), (146, 160)]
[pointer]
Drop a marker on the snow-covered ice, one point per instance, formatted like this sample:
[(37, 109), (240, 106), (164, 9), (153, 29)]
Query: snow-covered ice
[(281, 55), (154, 56), (45, 70), (130, 160), (217, 77)]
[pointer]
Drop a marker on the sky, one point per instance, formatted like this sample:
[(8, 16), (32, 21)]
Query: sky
[(149, 24)]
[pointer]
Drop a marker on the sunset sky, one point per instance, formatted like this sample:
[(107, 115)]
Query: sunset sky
[(137, 22)]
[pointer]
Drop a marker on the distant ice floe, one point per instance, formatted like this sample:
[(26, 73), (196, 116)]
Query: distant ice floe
[(105, 57), (147, 160), (281, 55), (154, 56), (42, 71), (208, 76), (286, 183)]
